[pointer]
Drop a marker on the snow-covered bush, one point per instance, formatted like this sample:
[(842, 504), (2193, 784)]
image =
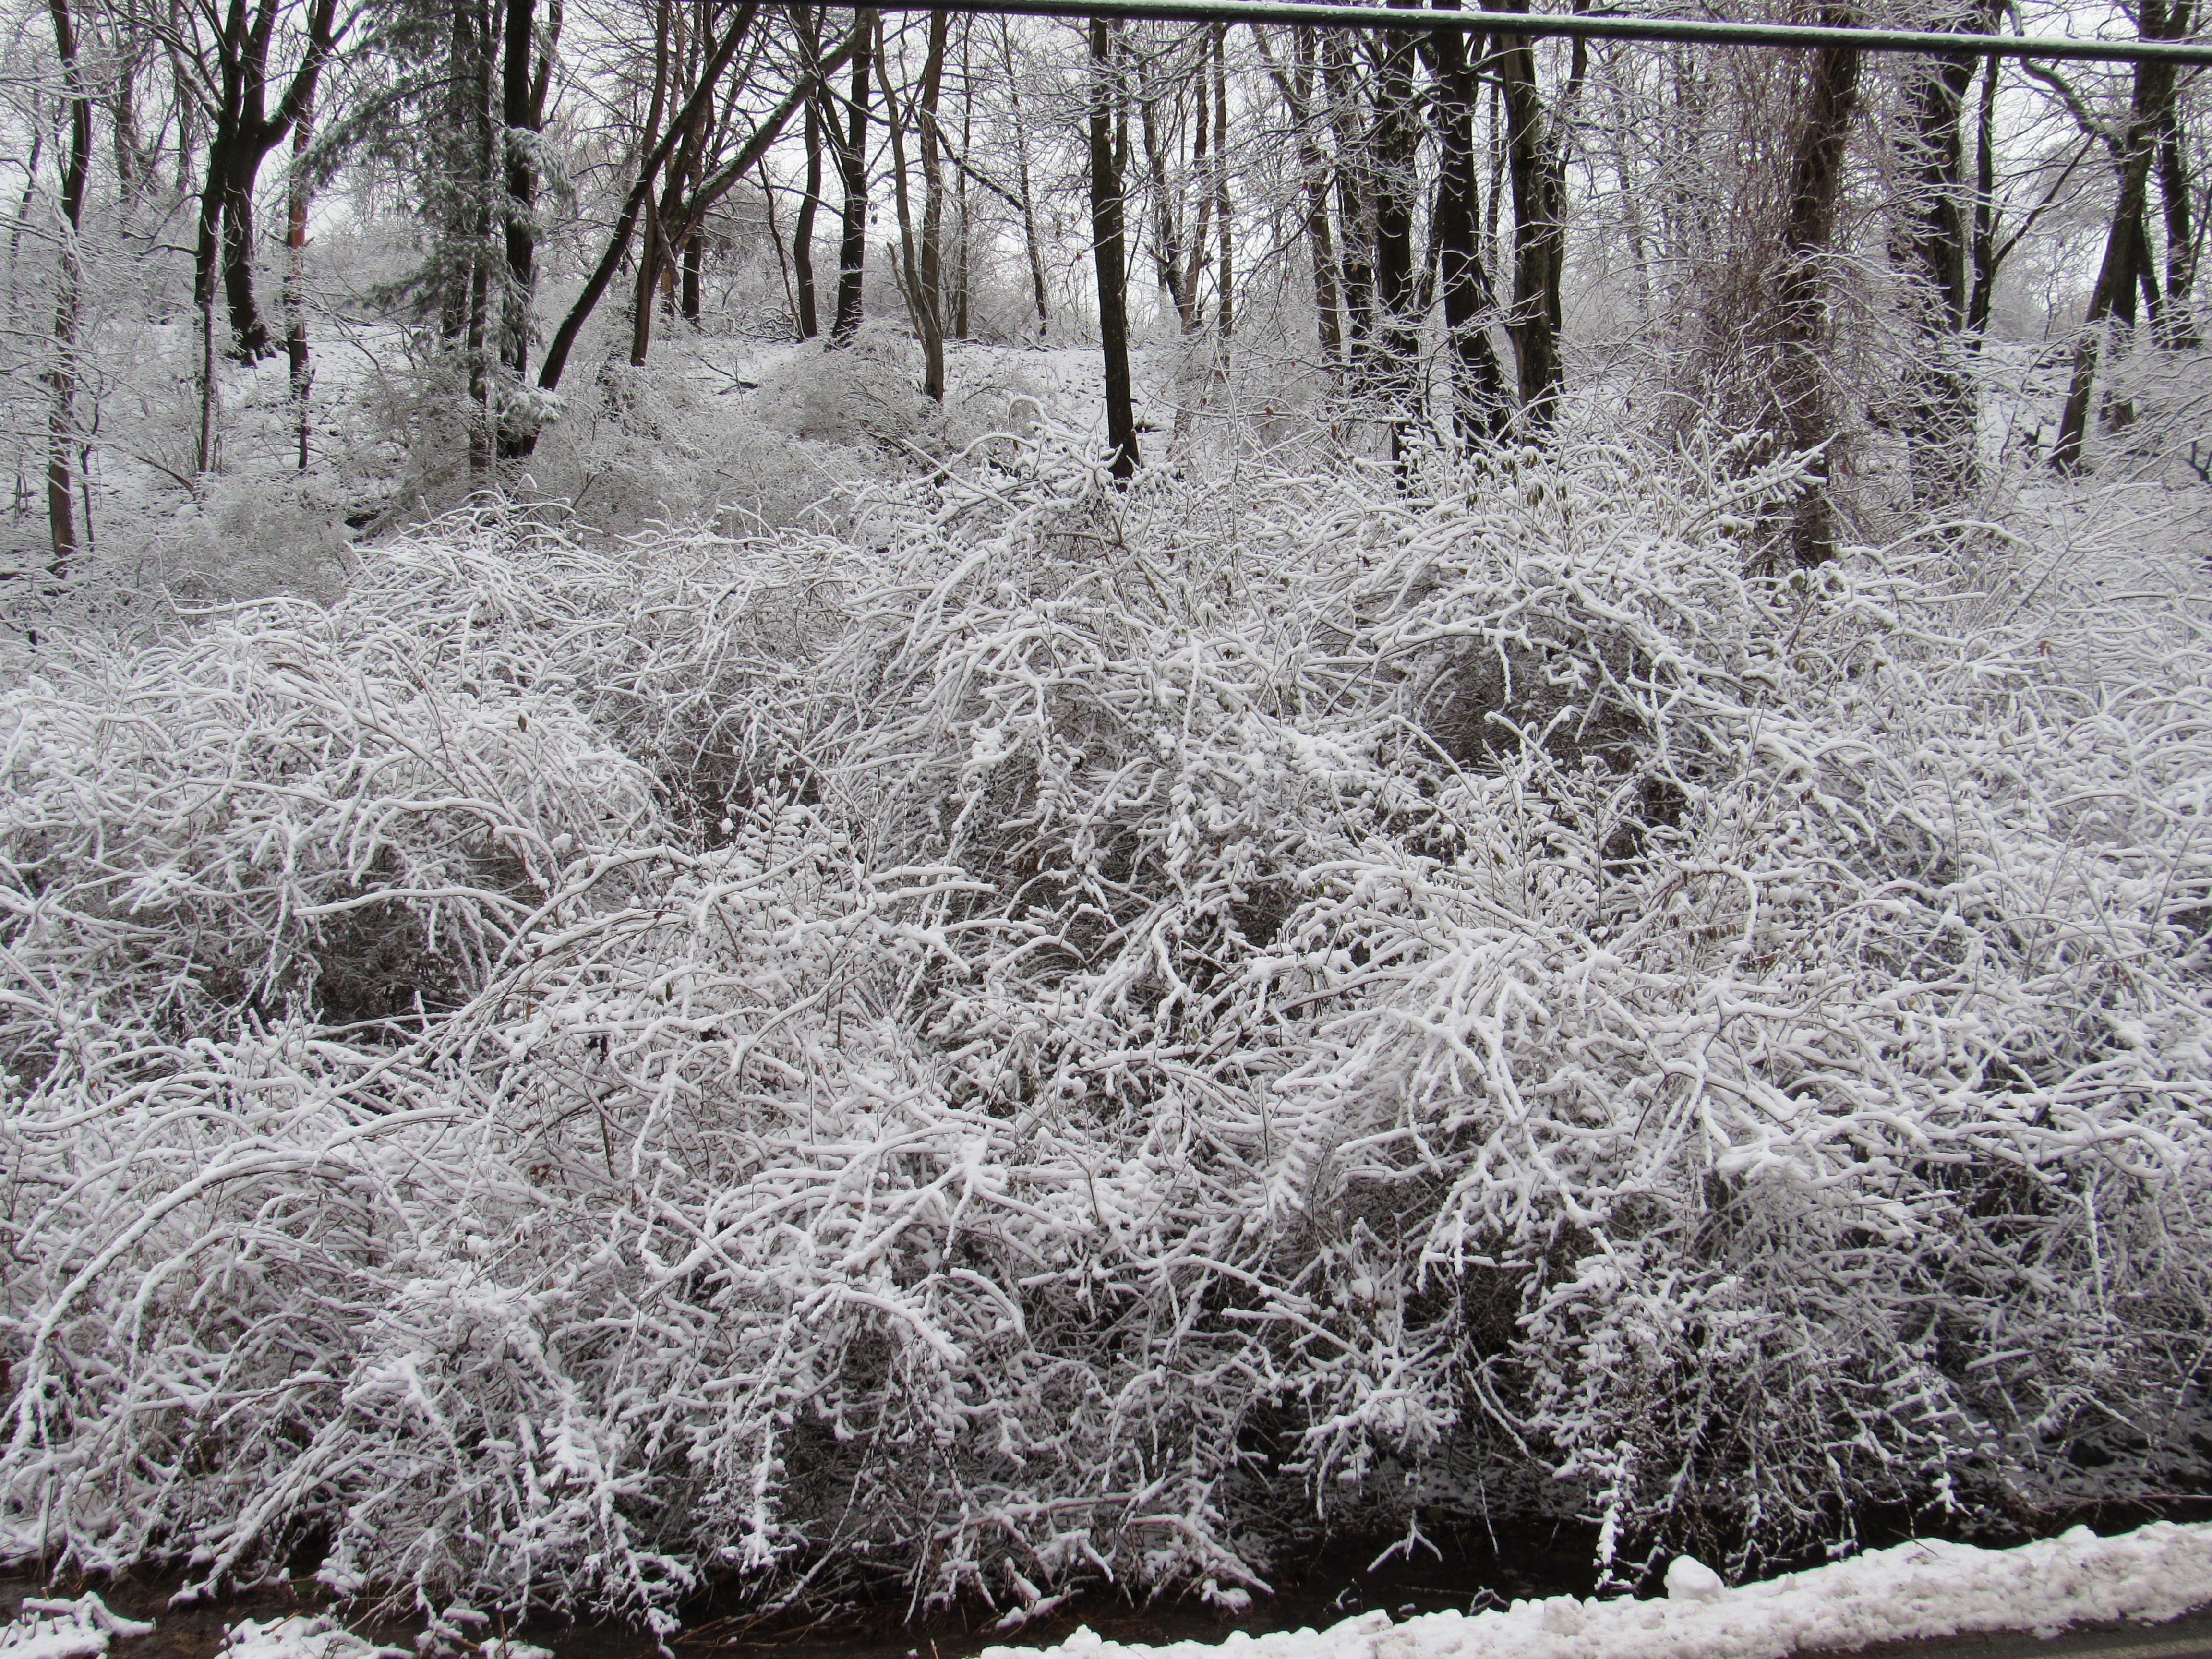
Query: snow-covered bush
[(1078, 1035)]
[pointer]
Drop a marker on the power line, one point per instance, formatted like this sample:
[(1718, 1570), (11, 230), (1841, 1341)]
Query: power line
[(1696, 31)]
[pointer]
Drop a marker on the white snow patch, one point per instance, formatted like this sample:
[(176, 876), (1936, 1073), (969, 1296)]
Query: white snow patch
[(318, 1637), (65, 1630), (1913, 1592), (1689, 1579)]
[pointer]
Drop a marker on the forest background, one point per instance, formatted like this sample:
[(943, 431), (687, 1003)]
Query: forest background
[(919, 809)]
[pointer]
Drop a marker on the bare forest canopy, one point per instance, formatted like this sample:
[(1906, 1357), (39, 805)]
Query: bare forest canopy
[(914, 808)]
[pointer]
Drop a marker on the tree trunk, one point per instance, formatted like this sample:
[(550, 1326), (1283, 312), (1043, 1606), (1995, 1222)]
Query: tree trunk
[(1982, 283), (1480, 410), (1107, 255), (654, 249), (851, 148), (2175, 187), (1031, 240), (1398, 337), (930, 289), (296, 281), (962, 272), (1167, 246), (1313, 179), (483, 440), (1940, 413), (1224, 268), (244, 135), (1355, 205), (640, 191), (2116, 275), (1808, 237), (523, 86), (802, 236), (62, 440), (1201, 143), (1539, 230)]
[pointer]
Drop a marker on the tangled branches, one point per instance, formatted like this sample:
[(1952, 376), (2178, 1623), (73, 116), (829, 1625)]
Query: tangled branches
[(985, 1059)]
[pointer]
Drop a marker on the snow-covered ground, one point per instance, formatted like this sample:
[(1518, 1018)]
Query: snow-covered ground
[(1913, 1591)]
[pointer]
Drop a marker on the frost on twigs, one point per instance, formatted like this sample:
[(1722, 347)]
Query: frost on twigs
[(1082, 1033)]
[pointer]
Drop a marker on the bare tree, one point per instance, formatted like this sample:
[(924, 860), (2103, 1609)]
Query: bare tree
[(657, 151), (244, 132), (1539, 228), (2125, 256), (1295, 82), (1108, 254), (1816, 173), (802, 234), (62, 437), (852, 148), (525, 78), (1480, 406), (1032, 243), (1934, 251)]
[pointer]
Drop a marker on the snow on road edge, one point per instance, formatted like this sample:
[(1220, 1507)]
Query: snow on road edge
[(1911, 1592)]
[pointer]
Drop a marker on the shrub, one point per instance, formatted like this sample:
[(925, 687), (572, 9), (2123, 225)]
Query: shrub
[(984, 1057)]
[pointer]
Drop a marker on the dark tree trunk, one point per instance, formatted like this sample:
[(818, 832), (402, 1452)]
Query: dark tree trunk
[(249, 333), (929, 296), (1539, 230), (1940, 407), (525, 78), (523, 82), (62, 441), (1480, 407), (295, 283), (1224, 275), (962, 272), (1167, 232), (640, 191), (655, 248), (2114, 292), (852, 148), (1396, 136), (2175, 187), (1983, 282), (244, 135), (1107, 255), (1809, 236), (486, 168), (1201, 173), (1032, 243), (802, 236)]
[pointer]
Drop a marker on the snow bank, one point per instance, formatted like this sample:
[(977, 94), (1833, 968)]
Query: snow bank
[(302, 1636), (1911, 1592), (65, 1630)]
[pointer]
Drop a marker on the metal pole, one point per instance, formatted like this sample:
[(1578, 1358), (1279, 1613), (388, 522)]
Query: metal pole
[(1695, 31)]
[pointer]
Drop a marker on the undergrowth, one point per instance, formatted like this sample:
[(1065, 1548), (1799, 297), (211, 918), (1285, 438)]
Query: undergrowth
[(1072, 1036)]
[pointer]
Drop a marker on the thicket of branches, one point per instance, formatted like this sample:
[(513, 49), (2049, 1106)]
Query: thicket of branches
[(1531, 848), (975, 1059)]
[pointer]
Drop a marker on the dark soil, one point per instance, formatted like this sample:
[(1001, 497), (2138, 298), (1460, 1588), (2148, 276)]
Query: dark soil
[(1334, 1584), (1470, 1570)]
